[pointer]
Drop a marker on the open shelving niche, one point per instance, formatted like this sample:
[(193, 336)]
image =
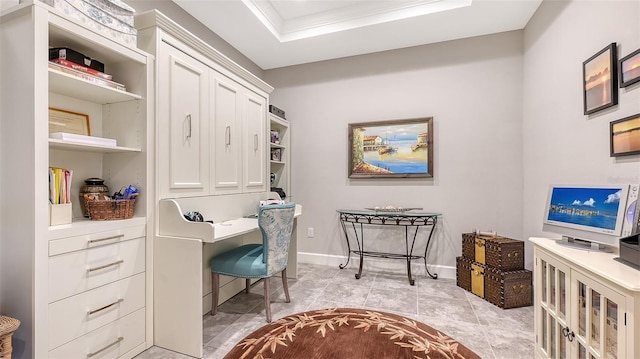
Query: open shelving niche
[(113, 113), (282, 168)]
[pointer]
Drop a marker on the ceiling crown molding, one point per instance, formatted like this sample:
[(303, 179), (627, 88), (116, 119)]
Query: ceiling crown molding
[(357, 14)]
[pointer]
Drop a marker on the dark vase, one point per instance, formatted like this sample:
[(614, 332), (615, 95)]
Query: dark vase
[(91, 186)]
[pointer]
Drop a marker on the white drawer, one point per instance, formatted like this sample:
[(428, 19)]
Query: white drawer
[(97, 239), (110, 341), (75, 316), (76, 272)]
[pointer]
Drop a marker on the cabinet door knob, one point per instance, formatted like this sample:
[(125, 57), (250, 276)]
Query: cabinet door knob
[(567, 333)]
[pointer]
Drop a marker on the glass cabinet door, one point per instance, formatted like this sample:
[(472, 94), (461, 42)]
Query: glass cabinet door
[(598, 310), (551, 318)]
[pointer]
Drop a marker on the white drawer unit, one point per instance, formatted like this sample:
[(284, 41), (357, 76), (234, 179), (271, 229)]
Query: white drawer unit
[(91, 239), (111, 341), (75, 272), (75, 316)]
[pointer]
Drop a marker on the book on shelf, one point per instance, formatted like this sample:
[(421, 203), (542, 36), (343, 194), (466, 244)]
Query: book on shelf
[(79, 67), (89, 140), (87, 76)]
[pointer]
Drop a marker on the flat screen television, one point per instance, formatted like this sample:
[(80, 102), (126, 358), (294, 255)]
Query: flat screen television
[(590, 213)]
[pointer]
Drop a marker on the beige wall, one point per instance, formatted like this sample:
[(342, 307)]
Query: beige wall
[(473, 90), (561, 145)]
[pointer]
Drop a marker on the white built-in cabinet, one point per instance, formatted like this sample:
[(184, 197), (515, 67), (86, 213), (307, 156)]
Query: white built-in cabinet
[(183, 115), (586, 302), (212, 115), (239, 135), (83, 288)]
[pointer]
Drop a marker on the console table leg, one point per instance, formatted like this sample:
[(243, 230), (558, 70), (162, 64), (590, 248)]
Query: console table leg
[(426, 249), (346, 237), (409, 252), (360, 249)]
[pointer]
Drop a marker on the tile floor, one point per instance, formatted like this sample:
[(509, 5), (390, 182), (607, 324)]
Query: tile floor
[(486, 329)]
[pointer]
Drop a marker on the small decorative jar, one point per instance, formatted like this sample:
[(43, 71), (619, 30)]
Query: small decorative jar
[(91, 186)]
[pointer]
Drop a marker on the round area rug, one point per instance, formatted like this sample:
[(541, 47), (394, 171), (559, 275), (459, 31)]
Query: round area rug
[(348, 333)]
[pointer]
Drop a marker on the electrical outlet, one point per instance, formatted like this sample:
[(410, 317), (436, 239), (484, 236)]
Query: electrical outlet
[(310, 232)]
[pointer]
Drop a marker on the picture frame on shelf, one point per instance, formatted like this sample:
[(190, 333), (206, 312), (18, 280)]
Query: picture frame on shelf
[(276, 154), (625, 136), (600, 80), (275, 137), (391, 149), (68, 122), (629, 69)]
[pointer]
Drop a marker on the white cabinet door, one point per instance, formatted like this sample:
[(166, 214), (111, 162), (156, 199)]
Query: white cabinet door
[(255, 122), (183, 118), (552, 310), (226, 108), (598, 312)]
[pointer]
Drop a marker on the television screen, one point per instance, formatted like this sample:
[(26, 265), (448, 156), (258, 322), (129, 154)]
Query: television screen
[(590, 207), (588, 212)]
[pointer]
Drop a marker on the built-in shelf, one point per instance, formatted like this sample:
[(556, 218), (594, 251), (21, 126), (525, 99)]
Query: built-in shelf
[(276, 145), (76, 146), (277, 162), (80, 88), (83, 226)]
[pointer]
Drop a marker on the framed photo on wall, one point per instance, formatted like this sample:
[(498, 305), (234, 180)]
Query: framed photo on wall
[(630, 69), (625, 136), (391, 149), (600, 84)]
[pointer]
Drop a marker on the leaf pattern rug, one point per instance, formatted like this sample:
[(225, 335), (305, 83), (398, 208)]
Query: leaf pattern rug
[(347, 333)]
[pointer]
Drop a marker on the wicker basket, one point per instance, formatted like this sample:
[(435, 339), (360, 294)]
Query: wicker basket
[(8, 325), (101, 208)]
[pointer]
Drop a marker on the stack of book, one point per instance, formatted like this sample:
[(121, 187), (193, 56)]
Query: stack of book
[(67, 66)]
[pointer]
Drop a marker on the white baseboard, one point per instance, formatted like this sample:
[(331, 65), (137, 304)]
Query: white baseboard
[(377, 264)]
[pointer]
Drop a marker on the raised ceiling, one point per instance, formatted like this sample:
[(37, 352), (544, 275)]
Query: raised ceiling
[(278, 33)]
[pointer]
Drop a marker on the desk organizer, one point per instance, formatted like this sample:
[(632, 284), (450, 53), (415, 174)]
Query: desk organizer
[(60, 214), (493, 269), (100, 208)]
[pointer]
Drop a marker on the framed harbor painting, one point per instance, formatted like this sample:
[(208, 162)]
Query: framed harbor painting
[(391, 149), (600, 80), (625, 136)]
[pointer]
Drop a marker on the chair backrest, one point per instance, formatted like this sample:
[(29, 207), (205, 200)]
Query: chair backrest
[(276, 225)]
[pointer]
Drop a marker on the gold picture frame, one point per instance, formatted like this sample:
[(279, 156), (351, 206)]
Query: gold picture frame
[(68, 122)]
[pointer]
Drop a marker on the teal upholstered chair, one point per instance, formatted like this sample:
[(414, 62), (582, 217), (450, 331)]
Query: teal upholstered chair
[(259, 260)]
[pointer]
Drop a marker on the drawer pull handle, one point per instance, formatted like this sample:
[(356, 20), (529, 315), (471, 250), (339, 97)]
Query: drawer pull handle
[(105, 266), (227, 136), (105, 307), (255, 142), (105, 348), (106, 239)]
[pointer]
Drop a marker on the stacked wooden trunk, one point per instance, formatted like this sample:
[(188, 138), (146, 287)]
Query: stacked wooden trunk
[(492, 267)]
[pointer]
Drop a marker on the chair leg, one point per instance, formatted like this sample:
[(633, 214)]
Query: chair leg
[(285, 285), (267, 299), (215, 292), (247, 284)]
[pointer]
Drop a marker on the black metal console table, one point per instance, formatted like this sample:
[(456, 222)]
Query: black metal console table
[(407, 219)]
